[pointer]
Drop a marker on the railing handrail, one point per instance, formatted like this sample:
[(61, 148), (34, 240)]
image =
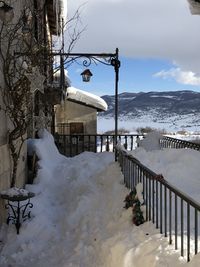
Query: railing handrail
[(85, 134), (176, 139), (74, 144), (185, 143), (162, 200), (175, 190)]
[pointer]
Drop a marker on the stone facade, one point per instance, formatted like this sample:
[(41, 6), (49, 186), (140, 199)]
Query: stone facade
[(42, 34), (5, 158)]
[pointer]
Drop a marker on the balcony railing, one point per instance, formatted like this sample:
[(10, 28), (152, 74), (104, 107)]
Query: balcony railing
[(71, 145), (169, 142), (172, 211)]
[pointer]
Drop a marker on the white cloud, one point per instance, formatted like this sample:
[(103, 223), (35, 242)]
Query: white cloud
[(79, 70), (183, 77), (141, 29)]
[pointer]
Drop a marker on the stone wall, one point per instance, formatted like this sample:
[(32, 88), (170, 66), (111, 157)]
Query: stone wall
[(5, 160)]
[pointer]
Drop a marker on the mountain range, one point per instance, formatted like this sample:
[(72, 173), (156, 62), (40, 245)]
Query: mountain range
[(158, 106)]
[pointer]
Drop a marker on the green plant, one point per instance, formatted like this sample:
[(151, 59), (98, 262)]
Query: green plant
[(132, 201)]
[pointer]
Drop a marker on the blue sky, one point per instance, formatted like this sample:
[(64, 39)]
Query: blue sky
[(136, 75), (158, 44)]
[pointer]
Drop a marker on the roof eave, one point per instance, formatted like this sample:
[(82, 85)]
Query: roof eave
[(85, 104)]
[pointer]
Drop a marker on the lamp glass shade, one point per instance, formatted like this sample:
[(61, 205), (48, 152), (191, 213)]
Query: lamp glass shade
[(86, 78), (86, 75)]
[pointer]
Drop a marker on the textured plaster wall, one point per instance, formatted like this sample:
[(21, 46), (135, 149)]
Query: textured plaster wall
[(73, 112)]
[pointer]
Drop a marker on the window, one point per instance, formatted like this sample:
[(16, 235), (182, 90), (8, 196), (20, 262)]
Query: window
[(76, 128)]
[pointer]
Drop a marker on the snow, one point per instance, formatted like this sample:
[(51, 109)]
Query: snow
[(56, 81), (15, 191), (86, 98), (151, 141), (165, 96), (178, 166), (78, 219), (172, 124), (139, 190)]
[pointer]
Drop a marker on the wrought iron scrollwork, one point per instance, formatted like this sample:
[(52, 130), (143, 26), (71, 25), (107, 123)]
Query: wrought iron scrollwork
[(18, 211), (86, 59)]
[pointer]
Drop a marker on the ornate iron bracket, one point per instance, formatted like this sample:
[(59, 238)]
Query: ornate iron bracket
[(108, 59)]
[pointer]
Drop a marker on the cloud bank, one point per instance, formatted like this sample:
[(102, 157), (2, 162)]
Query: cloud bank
[(183, 77), (141, 29)]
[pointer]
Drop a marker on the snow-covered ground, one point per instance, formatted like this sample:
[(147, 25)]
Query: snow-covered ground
[(78, 219), (171, 125)]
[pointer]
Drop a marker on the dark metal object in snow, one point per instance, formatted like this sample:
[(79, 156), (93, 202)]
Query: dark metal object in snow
[(18, 212)]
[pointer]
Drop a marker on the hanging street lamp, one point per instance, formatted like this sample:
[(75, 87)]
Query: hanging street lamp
[(86, 75), (108, 59)]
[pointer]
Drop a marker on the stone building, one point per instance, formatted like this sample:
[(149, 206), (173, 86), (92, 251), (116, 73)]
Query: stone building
[(78, 113), (76, 122), (37, 22)]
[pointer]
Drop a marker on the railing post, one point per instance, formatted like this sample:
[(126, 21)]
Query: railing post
[(95, 144), (101, 138)]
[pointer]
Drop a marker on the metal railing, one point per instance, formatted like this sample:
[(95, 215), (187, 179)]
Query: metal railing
[(71, 145), (172, 211), (169, 142)]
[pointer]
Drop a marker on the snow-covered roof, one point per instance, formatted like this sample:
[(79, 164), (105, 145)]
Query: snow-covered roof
[(194, 7), (85, 98)]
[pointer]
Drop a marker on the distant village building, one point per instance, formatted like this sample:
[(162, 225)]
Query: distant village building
[(78, 113)]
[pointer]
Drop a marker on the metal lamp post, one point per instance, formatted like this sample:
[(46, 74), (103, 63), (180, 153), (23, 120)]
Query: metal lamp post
[(66, 59), (108, 59)]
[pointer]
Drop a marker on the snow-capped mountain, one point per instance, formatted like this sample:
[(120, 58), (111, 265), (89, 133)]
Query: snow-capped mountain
[(178, 108)]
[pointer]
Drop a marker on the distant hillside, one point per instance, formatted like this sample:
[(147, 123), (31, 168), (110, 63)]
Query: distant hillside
[(161, 103), (181, 108)]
